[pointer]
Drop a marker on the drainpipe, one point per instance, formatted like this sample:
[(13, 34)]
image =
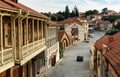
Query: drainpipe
[(20, 27), (17, 16), (14, 35)]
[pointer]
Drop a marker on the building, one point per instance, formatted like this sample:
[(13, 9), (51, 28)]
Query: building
[(52, 44), (106, 56), (75, 27), (104, 25), (22, 40), (96, 17)]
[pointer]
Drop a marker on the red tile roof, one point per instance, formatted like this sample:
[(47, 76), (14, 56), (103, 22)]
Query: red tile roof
[(103, 40), (104, 22), (8, 4), (70, 20), (97, 15), (113, 54), (83, 18), (52, 23), (62, 32)]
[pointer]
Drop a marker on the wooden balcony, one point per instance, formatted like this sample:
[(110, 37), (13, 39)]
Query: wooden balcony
[(6, 59), (29, 51)]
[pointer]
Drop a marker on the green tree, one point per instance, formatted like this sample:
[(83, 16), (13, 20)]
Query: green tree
[(104, 10), (115, 30), (95, 11), (76, 12), (90, 12), (72, 14), (117, 26), (67, 12)]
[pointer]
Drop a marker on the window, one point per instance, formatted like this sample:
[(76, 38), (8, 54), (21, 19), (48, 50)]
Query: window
[(62, 27)]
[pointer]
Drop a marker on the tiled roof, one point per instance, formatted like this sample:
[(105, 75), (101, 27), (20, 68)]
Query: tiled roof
[(113, 54), (52, 23), (117, 36), (8, 4), (97, 15), (62, 32), (70, 20), (83, 18), (104, 22), (98, 20), (103, 40)]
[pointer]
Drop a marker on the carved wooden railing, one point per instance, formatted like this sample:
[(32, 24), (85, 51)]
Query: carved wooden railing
[(0, 58), (31, 48), (6, 56)]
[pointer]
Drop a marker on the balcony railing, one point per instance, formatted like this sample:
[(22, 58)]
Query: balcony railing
[(31, 48), (54, 48), (7, 56), (0, 58)]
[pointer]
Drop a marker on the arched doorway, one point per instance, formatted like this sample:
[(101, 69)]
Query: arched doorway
[(65, 43), (74, 33)]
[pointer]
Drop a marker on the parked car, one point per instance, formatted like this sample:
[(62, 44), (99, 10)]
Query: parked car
[(79, 58)]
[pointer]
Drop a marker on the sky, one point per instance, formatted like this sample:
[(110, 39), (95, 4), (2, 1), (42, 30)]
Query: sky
[(54, 6)]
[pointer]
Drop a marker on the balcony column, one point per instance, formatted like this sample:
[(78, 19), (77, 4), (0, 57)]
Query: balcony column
[(33, 29), (42, 28), (27, 30), (45, 29), (13, 36), (1, 36), (38, 28), (20, 37)]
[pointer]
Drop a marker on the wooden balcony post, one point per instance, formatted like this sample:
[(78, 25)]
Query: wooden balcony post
[(20, 37), (1, 33), (38, 28), (42, 28), (33, 29), (27, 29), (13, 36)]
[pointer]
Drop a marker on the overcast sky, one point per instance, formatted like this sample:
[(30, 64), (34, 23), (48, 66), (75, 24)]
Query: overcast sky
[(59, 5)]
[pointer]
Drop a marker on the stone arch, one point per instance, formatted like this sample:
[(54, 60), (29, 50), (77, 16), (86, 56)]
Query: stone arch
[(65, 43)]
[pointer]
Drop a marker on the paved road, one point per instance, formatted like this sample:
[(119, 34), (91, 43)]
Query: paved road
[(69, 67)]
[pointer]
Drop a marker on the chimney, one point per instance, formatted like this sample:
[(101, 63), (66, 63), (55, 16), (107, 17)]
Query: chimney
[(110, 39), (16, 1)]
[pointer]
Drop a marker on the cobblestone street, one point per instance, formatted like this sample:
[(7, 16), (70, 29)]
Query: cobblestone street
[(69, 67)]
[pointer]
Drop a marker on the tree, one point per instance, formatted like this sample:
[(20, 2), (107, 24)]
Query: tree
[(90, 12), (76, 12), (104, 11), (115, 30), (117, 26), (67, 12), (95, 11)]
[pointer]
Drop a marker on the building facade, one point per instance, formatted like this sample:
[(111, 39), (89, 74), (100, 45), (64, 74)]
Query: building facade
[(106, 56), (22, 40), (52, 44), (75, 27)]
